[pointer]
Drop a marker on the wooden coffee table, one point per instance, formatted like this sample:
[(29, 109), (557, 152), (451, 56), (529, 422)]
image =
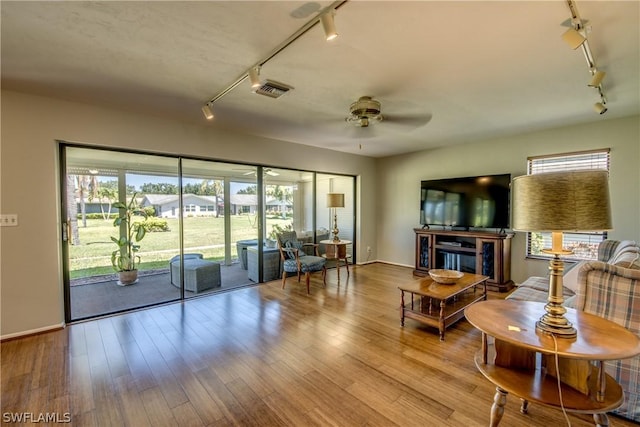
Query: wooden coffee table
[(441, 305)]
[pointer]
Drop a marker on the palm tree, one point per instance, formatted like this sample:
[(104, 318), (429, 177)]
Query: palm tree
[(72, 211), (87, 186), (110, 194)]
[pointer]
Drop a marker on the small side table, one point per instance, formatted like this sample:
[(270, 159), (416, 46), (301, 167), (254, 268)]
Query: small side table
[(337, 251), (527, 363)]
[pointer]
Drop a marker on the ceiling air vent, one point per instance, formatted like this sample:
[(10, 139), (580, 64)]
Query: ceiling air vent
[(273, 89)]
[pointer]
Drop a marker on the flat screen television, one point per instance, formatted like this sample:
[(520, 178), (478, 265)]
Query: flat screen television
[(469, 202)]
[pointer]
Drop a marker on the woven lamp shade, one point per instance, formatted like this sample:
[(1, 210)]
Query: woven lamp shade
[(335, 200), (562, 201)]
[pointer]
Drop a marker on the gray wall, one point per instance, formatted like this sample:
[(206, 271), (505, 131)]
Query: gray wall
[(399, 181)]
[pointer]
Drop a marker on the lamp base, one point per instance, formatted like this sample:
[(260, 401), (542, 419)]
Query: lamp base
[(335, 230), (560, 331), (553, 321)]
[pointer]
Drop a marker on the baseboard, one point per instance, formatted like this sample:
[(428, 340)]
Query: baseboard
[(366, 262), (396, 263), (377, 261), (37, 331)]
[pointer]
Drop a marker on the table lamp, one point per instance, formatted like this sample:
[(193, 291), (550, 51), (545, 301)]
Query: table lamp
[(559, 202), (335, 200)]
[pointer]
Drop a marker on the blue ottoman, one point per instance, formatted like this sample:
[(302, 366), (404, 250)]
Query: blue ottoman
[(177, 258), (199, 275)]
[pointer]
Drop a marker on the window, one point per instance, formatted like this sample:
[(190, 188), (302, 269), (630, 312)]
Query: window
[(583, 245)]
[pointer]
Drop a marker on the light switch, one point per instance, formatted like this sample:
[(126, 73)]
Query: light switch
[(9, 220)]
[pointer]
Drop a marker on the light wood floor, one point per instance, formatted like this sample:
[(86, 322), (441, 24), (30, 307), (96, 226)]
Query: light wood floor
[(264, 356)]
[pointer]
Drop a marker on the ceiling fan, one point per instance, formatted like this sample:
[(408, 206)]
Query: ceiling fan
[(367, 111)]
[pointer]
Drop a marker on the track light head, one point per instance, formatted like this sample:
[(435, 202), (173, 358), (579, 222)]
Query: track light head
[(329, 25), (207, 110), (254, 76), (600, 108), (597, 78), (573, 38)]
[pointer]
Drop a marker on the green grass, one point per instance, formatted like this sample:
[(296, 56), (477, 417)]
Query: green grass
[(204, 235)]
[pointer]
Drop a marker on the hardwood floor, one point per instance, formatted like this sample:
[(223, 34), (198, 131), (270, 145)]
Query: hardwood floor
[(263, 356)]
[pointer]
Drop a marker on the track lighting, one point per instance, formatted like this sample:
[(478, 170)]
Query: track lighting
[(573, 38), (269, 87), (329, 25), (254, 76), (600, 107), (207, 111), (597, 79)]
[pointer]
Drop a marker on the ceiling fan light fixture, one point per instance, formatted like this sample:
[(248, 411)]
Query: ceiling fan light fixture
[(329, 25), (254, 77), (207, 111), (364, 112)]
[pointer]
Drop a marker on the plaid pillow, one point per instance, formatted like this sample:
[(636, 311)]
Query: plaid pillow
[(606, 249)]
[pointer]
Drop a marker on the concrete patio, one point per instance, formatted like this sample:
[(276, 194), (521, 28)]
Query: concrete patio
[(102, 295)]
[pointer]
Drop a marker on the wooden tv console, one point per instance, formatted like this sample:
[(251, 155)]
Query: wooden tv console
[(476, 252)]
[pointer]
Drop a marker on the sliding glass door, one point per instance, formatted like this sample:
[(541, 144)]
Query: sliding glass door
[(195, 226), (219, 224), (97, 246)]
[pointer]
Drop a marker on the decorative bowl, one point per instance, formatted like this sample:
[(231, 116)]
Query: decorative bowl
[(445, 277)]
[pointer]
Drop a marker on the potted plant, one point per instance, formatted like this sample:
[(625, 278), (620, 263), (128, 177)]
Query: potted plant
[(124, 259)]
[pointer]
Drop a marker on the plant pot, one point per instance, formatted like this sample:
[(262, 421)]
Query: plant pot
[(270, 243), (127, 277)]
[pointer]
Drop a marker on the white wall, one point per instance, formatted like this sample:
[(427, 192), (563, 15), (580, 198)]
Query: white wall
[(399, 181), (30, 265)]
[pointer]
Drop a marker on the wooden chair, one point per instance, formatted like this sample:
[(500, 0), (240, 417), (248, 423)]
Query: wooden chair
[(295, 259)]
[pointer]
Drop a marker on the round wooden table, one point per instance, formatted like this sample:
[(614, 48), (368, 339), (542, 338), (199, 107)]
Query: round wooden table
[(336, 250), (526, 362)]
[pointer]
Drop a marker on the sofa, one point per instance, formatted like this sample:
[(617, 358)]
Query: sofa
[(609, 288)]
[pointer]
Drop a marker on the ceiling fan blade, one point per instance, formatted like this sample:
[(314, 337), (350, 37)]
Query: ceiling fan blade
[(413, 121), (271, 173)]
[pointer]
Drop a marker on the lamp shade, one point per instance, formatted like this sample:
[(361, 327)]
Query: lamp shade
[(562, 201), (335, 200)]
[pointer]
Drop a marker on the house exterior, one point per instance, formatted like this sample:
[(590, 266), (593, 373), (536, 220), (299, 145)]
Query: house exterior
[(167, 205)]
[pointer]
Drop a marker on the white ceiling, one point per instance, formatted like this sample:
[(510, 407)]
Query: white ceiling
[(477, 69)]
